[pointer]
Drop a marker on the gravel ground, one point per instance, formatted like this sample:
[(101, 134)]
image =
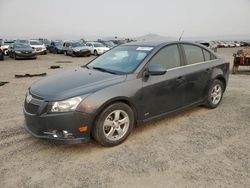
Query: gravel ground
[(195, 148)]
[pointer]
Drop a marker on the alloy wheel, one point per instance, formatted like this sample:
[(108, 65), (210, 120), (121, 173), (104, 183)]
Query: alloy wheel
[(116, 125), (216, 94)]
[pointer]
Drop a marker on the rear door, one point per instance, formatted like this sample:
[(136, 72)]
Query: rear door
[(197, 72)]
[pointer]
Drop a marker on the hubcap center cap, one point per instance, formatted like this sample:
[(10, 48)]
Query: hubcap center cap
[(116, 124)]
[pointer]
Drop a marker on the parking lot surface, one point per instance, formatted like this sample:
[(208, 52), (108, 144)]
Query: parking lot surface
[(195, 148)]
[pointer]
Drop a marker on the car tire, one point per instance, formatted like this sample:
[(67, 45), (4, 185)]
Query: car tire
[(119, 120), (215, 94), (95, 53)]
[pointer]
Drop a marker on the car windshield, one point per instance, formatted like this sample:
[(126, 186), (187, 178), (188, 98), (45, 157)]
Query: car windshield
[(109, 43), (58, 43), (35, 43), (46, 42), (77, 44), (22, 45), (98, 45), (8, 42), (121, 60)]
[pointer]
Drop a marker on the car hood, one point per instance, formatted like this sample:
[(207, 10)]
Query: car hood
[(74, 83), (59, 47), (81, 48), (24, 49), (38, 46)]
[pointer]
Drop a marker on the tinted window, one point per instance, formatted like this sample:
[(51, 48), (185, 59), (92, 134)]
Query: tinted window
[(207, 55), (193, 54), (22, 45), (168, 57), (98, 45), (35, 43)]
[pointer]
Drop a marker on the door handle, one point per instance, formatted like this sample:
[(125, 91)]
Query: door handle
[(208, 70), (180, 79)]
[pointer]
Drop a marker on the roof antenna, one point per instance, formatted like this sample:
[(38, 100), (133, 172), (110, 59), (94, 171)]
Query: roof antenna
[(181, 35)]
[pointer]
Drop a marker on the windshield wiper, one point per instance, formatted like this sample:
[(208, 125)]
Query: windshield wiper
[(103, 70), (85, 66)]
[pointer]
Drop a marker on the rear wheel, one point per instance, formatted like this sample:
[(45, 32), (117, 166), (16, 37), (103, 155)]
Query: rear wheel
[(113, 125), (215, 94)]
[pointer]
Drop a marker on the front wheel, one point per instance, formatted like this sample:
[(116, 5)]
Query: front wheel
[(215, 94), (113, 125), (95, 53)]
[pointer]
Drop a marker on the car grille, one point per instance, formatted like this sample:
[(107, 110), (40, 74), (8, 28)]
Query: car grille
[(33, 106), (25, 52)]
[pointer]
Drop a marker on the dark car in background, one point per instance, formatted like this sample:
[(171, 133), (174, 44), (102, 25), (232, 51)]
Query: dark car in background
[(76, 49), (21, 51), (5, 45), (56, 47), (126, 86)]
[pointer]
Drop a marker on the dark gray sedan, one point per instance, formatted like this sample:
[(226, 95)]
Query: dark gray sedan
[(126, 86), (21, 51)]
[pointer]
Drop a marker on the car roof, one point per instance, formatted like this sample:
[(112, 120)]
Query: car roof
[(156, 43)]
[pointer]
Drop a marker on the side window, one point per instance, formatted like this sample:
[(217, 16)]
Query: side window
[(207, 55), (168, 57), (193, 54)]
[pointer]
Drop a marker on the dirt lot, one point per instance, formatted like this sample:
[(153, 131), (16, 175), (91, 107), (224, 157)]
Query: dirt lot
[(195, 148)]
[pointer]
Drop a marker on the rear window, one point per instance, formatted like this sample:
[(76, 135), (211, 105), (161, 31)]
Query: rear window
[(193, 54), (207, 55)]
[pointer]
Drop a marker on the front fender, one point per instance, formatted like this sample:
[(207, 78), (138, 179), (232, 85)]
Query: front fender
[(126, 91)]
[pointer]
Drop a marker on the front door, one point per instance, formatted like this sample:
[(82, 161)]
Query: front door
[(164, 93)]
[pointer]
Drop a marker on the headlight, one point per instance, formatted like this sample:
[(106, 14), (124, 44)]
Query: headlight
[(18, 52), (66, 105), (76, 50)]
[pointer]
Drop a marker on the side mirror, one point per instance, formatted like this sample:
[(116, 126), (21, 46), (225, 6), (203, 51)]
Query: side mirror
[(155, 69)]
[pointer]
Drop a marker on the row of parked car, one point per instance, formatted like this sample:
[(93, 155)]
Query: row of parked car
[(31, 48), (230, 44), (77, 48)]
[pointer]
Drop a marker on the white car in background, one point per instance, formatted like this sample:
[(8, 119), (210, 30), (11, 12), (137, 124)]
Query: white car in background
[(5, 45), (38, 46), (97, 48)]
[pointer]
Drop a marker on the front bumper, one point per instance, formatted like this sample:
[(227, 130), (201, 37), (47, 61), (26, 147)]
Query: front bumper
[(53, 126), (60, 51), (25, 56), (41, 51), (82, 53), (100, 52)]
